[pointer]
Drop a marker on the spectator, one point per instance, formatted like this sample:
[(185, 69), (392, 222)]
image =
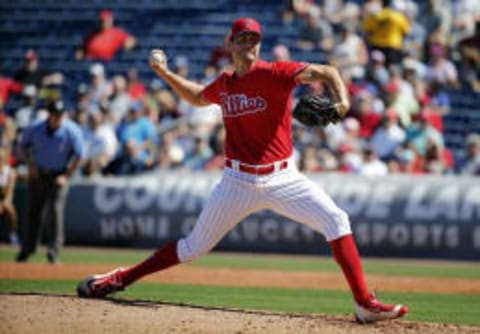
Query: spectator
[(120, 100), (441, 69), (168, 108), (470, 59), (431, 114), (415, 40), (421, 132), (433, 162), (405, 87), (105, 41), (136, 88), (7, 87), (99, 89), (25, 115), (54, 149), (350, 160), (181, 66), (368, 118), (316, 33), (8, 178), (470, 164), (281, 53), (388, 137), (404, 105), (221, 57), (137, 135), (102, 144), (32, 74), (430, 19), (8, 129), (169, 154), (371, 165), (350, 53), (379, 72), (403, 161), (309, 160), (295, 8), (217, 161), (202, 153), (385, 31)]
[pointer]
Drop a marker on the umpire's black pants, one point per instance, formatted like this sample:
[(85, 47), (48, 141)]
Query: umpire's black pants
[(43, 211)]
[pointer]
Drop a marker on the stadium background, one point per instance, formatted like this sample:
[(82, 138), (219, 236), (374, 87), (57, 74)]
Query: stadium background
[(188, 140)]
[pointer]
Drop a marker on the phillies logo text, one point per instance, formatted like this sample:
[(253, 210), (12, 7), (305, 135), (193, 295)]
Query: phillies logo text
[(235, 105)]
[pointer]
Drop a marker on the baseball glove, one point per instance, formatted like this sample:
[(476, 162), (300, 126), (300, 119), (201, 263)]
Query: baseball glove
[(312, 110)]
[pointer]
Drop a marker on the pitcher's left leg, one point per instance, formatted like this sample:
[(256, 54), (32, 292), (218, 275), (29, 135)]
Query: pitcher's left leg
[(303, 201)]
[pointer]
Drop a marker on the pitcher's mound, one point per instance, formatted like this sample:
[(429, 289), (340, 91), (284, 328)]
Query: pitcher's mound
[(30, 313)]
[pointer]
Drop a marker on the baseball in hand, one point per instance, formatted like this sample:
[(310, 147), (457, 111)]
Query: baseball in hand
[(158, 59)]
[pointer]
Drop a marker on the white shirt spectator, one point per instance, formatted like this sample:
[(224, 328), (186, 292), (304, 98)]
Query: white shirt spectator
[(387, 139), (374, 168)]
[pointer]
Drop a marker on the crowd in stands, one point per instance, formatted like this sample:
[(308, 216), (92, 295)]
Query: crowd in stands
[(398, 58)]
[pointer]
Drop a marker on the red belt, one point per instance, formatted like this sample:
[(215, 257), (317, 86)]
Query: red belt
[(257, 170)]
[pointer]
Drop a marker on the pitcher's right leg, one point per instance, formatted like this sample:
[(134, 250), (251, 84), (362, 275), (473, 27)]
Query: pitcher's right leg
[(231, 201)]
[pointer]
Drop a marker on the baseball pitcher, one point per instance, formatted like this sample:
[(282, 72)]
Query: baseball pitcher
[(259, 169)]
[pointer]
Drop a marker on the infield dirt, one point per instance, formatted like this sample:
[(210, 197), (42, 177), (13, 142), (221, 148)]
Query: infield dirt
[(34, 313)]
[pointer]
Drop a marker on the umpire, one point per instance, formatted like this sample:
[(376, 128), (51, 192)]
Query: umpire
[(53, 149)]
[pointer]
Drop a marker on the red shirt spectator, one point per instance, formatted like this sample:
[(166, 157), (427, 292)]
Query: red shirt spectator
[(8, 86), (136, 89), (105, 42)]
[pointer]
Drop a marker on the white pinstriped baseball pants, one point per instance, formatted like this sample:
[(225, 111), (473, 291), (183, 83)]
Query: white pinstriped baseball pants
[(238, 194)]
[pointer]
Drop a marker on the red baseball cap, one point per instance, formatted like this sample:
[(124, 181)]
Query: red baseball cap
[(244, 25), (105, 15)]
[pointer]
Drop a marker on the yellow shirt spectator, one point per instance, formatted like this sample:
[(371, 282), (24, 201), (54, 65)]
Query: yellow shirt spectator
[(386, 29)]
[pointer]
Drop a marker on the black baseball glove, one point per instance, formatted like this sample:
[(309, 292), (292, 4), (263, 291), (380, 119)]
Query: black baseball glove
[(314, 110)]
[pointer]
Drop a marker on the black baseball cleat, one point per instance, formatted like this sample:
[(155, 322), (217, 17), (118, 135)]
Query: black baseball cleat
[(22, 256), (52, 257)]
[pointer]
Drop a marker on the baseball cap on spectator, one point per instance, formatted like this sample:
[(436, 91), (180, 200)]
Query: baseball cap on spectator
[(97, 69), (244, 25), (105, 15), (56, 107), (30, 55)]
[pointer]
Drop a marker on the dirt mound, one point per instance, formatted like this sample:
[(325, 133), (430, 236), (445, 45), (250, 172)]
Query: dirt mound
[(29, 313)]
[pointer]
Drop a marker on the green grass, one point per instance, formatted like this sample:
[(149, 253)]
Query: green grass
[(287, 263), (452, 308)]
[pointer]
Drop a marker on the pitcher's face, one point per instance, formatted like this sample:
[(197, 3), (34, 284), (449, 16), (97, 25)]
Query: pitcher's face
[(246, 47)]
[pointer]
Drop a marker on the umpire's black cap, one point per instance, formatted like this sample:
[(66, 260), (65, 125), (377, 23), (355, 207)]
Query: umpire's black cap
[(56, 107)]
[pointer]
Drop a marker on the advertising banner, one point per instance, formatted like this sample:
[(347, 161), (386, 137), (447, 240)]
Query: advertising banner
[(402, 216)]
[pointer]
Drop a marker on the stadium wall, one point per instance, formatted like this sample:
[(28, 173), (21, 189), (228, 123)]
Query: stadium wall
[(392, 216)]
